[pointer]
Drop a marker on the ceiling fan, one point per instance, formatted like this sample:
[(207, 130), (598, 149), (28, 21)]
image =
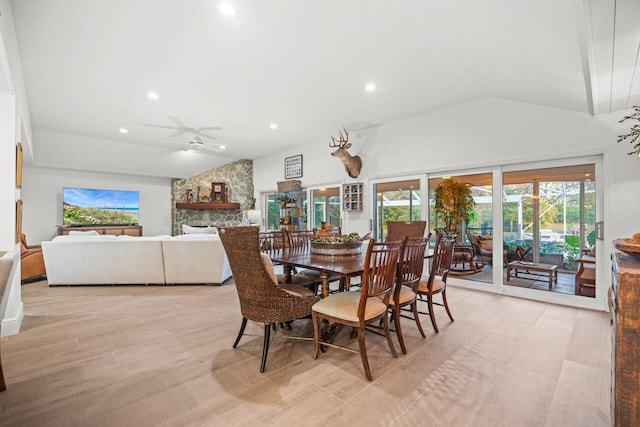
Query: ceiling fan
[(196, 144)]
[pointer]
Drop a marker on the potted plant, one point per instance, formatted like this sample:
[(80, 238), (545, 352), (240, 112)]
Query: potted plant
[(454, 206)]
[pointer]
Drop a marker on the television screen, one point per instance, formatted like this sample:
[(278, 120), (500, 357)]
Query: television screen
[(86, 206)]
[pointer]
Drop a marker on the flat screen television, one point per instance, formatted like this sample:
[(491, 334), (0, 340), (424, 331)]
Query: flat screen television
[(87, 206)]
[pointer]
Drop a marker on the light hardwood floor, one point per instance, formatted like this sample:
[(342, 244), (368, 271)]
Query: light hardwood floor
[(162, 356)]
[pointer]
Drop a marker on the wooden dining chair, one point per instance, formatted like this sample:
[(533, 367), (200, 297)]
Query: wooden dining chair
[(436, 281), (273, 243), (261, 298), (408, 277), (397, 230), (358, 309)]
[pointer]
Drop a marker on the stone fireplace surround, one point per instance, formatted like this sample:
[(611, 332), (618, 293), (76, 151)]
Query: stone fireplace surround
[(238, 177)]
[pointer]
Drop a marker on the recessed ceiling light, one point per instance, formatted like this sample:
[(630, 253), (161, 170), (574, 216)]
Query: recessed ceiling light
[(223, 147), (153, 95), (370, 87), (273, 126), (124, 130), (227, 9)]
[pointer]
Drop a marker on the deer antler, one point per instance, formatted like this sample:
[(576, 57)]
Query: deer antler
[(342, 139)]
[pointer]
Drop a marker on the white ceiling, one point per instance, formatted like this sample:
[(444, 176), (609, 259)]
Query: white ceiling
[(89, 64)]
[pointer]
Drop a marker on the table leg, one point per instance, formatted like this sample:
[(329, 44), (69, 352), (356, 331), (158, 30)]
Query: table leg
[(324, 286), (508, 273), (288, 269), (551, 280), (347, 282)]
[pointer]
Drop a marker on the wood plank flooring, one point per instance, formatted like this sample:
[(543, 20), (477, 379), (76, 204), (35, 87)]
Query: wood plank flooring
[(162, 356)]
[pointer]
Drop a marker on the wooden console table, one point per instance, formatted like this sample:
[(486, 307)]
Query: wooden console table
[(115, 230)]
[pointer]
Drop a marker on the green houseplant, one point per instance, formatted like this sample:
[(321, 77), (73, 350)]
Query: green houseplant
[(453, 206)]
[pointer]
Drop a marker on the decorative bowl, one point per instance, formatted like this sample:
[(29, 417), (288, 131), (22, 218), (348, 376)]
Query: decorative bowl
[(336, 249)]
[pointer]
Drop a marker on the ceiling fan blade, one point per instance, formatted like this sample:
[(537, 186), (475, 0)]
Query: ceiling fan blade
[(204, 135), (211, 128), (178, 133), (157, 126), (177, 121)]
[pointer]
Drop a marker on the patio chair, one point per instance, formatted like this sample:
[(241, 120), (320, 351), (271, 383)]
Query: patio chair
[(261, 299), (585, 279)]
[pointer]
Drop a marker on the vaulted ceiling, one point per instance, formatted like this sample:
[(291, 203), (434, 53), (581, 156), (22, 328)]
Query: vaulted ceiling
[(89, 66)]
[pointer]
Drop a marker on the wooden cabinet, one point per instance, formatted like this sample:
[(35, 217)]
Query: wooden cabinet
[(352, 197), (624, 300), (115, 230)]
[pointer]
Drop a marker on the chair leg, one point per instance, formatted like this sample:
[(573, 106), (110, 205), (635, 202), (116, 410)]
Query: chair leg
[(446, 306), (432, 314), (242, 326), (416, 317), (363, 353), (396, 321), (387, 333), (265, 346), (316, 333)]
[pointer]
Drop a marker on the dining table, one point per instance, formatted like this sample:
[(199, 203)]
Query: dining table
[(346, 266)]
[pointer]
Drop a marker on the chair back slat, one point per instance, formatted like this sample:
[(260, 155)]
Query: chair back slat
[(297, 240), (398, 230), (442, 256), (271, 242), (412, 265), (380, 276)]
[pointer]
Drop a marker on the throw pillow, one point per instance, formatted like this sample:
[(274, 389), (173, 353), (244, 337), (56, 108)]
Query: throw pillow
[(268, 265)]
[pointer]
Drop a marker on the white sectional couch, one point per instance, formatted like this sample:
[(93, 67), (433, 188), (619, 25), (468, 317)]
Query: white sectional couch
[(106, 260)]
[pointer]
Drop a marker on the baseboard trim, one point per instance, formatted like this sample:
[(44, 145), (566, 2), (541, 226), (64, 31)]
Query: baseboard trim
[(11, 326)]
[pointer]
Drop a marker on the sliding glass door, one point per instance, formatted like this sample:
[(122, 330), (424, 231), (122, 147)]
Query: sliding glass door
[(395, 201)]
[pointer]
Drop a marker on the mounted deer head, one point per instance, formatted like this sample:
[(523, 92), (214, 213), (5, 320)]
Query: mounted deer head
[(352, 164)]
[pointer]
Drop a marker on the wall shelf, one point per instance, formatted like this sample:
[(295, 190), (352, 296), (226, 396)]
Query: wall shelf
[(207, 205)]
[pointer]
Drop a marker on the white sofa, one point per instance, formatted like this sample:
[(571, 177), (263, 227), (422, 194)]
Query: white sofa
[(105, 260)]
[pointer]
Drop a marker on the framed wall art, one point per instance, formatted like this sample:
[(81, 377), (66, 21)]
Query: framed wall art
[(18, 165), (293, 167)]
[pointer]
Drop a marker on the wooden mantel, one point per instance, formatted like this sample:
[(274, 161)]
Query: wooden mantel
[(206, 205)]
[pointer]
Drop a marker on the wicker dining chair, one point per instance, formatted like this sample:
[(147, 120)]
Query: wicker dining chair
[(436, 281), (397, 230), (405, 291), (358, 309), (261, 299)]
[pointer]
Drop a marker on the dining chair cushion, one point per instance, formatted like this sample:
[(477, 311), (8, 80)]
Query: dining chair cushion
[(344, 305), (406, 294), (437, 284), (268, 265)]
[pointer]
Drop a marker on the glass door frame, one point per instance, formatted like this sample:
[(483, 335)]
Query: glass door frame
[(424, 195), (310, 210)]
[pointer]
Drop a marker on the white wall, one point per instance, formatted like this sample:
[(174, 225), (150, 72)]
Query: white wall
[(42, 198), (485, 132)]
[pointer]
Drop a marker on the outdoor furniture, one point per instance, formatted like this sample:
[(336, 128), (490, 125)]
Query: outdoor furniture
[(358, 309), (586, 274), (261, 299), (405, 292), (397, 230), (549, 271), (436, 282)]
